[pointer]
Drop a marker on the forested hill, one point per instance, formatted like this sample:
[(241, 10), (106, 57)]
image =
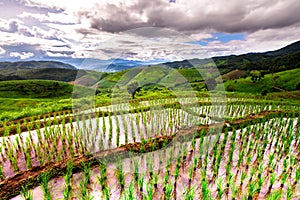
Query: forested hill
[(35, 64)]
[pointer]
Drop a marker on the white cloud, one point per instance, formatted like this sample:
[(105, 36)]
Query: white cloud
[(259, 41), (10, 26), (50, 54), (59, 18), (2, 51), (22, 55)]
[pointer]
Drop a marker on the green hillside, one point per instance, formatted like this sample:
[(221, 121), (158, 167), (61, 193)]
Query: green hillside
[(22, 98), (32, 89), (35, 89), (281, 81), (155, 75)]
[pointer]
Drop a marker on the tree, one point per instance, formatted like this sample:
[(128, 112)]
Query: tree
[(264, 92), (230, 88), (255, 75), (133, 88), (275, 79)]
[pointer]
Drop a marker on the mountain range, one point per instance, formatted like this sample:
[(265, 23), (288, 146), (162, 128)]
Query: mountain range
[(279, 60)]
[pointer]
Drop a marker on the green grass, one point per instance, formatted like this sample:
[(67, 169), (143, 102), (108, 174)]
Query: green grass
[(35, 89), (151, 75), (11, 104), (11, 109), (109, 80), (287, 81), (154, 75), (24, 98)]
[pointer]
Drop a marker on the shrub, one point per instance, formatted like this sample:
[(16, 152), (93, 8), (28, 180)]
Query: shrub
[(298, 86), (230, 88), (264, 92)]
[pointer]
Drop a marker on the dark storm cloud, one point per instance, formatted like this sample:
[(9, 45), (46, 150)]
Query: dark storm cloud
[(116, 25), (232, 16), (122, 18)]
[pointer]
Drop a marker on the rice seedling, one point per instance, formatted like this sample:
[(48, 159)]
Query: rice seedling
[(67, 180), (220, 189), (129, 193), (45, 178), (26, 193), (85, 181)]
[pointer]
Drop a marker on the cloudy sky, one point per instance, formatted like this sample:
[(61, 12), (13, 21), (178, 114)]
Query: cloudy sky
[(144, 29)]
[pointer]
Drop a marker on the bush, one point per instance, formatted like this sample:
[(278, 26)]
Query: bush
[(298, 86), (264, 92), (230, 88)]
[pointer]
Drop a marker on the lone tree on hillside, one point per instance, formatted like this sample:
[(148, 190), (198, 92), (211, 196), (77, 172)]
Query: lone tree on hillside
[(255, 75), (133, 88)]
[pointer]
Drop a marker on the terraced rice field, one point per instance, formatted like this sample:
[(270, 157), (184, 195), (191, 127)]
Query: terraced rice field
[(163, 149)]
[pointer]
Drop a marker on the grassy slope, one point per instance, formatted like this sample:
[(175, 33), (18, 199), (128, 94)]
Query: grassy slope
[(287, 81), (154, 75), (35, 89), (33, 97)]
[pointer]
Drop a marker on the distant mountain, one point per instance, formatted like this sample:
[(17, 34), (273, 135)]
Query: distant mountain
[(114, 65), (45, 70), (35, 65), (111, 65)]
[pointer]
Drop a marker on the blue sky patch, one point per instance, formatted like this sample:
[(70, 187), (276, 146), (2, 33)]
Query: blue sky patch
[(222, 37)]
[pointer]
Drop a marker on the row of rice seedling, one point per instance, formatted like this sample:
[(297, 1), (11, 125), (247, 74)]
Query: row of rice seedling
[(235, 108), (257, 161)]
